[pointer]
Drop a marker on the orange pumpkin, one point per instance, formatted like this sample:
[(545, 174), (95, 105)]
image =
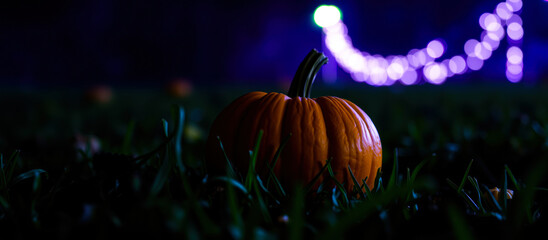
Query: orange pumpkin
[(100, 94), (498, 195), (321, 128), (179, 88)]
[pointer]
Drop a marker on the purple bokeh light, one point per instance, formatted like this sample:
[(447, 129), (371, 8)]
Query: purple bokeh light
[(491, 39), (515, 31), (515, 19), (381, 71), (515, 4), (435, 49), (470, 46), (482, 50), (514, 55), (496, 35), (474, 63), (514, 68), (435, 73), (490, 22), (504, 10), (396, 68), (457, 65), (409, 77), (514, 77)]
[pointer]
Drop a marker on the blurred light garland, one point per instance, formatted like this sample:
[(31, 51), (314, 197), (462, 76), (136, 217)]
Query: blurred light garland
[(378, 70)]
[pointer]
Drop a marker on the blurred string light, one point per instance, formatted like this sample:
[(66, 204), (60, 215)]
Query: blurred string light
[(327, 15), (377, 70)]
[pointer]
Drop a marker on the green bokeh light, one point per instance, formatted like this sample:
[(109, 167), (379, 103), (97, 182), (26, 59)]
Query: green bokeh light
[(327, 15)]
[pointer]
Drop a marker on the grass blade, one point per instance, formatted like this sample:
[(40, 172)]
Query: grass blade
[(6, 170), (408, 175), (271, 166), (466, 197), (169, 137), (4, 204), (361, 211), (465, 176), (504, 193), (27, 175), (458, 222), (356, 183), (279, 150), (338, 184), (475, 183), (309, 186), (229, 169), (534, 177), (162, 175), (139, 159), (3, 180), (394, 175), (126, 143), (378, 181), (296, 216), (167, 164), (452, 184), (233, 182), (416, 171), (493, 199), (233, 206), (367, 190), (179, 112), (12, 161), (36, 187), (260, 200), (253, 161), (165, 126), (512, 178), (277, 183)]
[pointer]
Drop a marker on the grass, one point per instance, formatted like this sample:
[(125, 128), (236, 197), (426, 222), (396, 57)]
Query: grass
[(442, 154)]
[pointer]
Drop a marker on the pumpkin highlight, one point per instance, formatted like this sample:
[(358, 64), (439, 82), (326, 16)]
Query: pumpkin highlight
[(319, 128)]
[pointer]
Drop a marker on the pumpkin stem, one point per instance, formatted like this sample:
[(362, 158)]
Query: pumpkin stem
[(306, 73)]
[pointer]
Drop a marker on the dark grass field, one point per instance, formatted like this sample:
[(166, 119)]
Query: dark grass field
[(74, 168)]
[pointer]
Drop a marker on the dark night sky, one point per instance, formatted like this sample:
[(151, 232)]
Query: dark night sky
[(146, 42)]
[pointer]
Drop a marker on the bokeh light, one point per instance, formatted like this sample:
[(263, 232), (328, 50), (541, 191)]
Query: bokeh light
[(395, 70), (514, 55), (514, 19), (457, 65), (381, 71), (482, 50), (514, 77), (412, 58), (470, 46), (515, 31), (435, 73), (409, 77), (327, 15), (474, 63), (435, 49), (515, 4), (504, 10), (496, 35), (514, 68), (493, 44), (490, 22)]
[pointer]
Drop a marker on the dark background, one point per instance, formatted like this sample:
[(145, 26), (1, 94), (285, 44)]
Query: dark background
[(144, 43)]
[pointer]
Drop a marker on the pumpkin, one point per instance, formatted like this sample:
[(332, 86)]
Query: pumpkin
[(318, 128), (99, 94), (179, 88), (497, 194)]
